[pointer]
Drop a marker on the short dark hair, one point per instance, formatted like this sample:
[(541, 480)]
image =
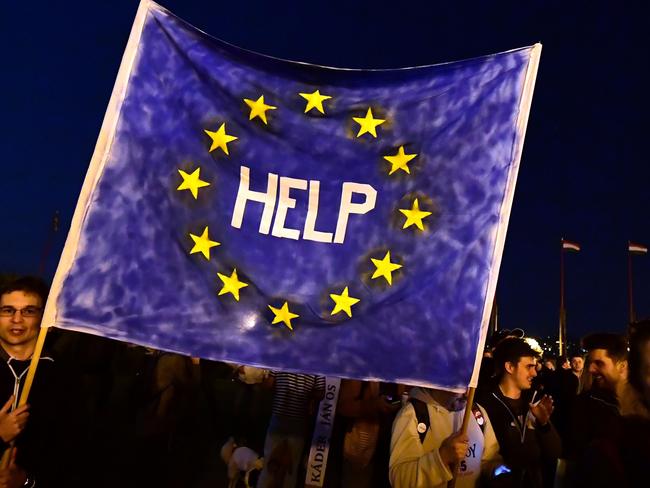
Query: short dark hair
[(27, 284), (511, 350), (501, 334), (614, 344)]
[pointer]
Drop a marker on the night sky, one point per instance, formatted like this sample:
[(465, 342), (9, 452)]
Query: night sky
[(584, 173)]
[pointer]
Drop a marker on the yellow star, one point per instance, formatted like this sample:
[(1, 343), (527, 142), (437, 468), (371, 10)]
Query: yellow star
[(385, 268), (399, 160), (368, 124), (343, 302), (258, 108), (203, 243), (283, 315), (192, 182), (414, 216), (220, 138), (231, 284), (314, 100)]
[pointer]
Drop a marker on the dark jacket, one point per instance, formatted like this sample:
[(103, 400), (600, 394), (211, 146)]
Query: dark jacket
[(562, 385), (595, 414), (620, 457), (525, 446), (595, 419), (37, 452)]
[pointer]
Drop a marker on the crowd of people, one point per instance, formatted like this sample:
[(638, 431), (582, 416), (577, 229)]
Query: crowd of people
[(104, 413)]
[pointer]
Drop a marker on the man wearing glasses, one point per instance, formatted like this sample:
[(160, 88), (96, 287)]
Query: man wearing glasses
[(21, 308), (20, 316)]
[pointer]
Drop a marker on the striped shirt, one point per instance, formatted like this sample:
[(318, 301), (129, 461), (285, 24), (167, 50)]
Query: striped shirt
[(293, 392)]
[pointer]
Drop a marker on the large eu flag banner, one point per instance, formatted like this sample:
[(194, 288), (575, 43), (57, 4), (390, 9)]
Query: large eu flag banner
[(297, 217)]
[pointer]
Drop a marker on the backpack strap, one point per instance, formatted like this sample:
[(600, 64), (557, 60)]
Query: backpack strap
[(422, 415)]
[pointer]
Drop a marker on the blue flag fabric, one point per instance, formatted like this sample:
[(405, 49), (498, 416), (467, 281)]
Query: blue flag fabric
[(349, 223)]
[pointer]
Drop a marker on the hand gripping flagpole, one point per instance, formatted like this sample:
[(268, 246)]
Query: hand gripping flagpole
[(24, 395), (463, 430)]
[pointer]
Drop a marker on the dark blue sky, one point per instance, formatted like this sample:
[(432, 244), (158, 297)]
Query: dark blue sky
[(584, 172)]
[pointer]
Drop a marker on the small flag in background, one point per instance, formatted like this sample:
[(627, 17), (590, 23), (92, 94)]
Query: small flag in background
[(636, 248), (570, 245), (342, 222)]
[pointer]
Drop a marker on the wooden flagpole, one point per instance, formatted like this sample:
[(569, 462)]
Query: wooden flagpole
[(463, 429), (24, 395)]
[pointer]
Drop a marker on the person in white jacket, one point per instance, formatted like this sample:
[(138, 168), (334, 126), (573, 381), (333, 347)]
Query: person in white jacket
[(426, 463)]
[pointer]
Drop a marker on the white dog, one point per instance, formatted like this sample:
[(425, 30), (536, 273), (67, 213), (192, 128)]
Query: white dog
[(239, 459)]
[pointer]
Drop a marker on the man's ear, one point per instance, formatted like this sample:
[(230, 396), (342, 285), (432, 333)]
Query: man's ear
[(622, 368), (509, 367)]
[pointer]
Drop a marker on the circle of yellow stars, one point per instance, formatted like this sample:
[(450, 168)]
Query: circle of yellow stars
[(316, 103)]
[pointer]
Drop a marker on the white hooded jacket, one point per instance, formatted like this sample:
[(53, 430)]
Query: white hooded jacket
[(415, 464)]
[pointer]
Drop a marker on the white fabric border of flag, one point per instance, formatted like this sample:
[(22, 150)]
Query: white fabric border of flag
[(573, 246), (98, 160), (634, 247), (506, 205)]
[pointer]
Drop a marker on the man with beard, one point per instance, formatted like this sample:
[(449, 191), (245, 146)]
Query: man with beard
[(596, 411)]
